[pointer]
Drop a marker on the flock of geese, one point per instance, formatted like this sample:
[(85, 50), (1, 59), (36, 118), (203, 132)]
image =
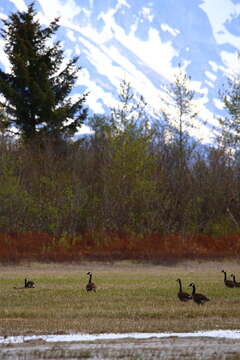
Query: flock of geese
[(29, 284), (200, 299)]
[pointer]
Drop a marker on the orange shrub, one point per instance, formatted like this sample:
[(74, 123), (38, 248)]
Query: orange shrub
[(42, 247)]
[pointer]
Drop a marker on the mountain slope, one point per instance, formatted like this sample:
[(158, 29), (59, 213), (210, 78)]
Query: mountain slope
[(143, 42)]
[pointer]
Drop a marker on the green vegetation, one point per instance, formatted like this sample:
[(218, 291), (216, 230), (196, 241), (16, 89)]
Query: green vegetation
[(129, 298), (134, 177), (126, 178), (126, 182)]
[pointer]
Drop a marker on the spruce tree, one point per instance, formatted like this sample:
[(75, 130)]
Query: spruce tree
[(37, 90)]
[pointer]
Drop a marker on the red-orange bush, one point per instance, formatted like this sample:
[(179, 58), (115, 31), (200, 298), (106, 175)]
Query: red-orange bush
[(42, 247)]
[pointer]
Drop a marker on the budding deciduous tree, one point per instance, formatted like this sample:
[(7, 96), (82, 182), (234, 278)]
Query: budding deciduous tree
[(230, 124)]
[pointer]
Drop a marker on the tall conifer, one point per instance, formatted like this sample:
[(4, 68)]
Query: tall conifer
[(37, 89)]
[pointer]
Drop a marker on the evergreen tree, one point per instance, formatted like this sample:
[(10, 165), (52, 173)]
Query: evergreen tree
[(37, 89)]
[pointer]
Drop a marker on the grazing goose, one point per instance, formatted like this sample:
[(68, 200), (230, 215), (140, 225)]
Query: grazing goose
[(90, 285), (199, 299), (236, 284), (183, 296), (228, 283), (29, 284)]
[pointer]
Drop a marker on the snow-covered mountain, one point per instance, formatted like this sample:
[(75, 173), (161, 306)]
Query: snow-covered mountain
[(143, 41)]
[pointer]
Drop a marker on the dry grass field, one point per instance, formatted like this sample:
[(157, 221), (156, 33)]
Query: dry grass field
[(130, 297)]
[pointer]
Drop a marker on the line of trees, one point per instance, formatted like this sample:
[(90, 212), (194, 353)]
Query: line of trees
[(132, 175)]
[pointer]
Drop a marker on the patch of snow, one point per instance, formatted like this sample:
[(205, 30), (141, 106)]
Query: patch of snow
[(147, 14), (209, 83), (218, 103), (227, 334), (211, 76), (20, 5), (173, 32)]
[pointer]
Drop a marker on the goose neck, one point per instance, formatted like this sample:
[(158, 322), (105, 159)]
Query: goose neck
[(193, 289), (180, 285)]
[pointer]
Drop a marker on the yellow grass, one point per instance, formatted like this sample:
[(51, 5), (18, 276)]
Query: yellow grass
[(129, 298)]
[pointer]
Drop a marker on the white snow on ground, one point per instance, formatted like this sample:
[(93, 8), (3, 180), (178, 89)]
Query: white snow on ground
[(227, 334)]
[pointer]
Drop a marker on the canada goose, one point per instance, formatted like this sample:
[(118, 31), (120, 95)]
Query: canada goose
[(29, 284), (228, 283), (236, 284), (183, 296), (90, 285), (199, 299)]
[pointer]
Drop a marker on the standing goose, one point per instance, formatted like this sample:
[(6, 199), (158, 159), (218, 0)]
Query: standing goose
[(183, 296), (228, 283), (90, 285), (199, 299), (29, 284), (236, 284)]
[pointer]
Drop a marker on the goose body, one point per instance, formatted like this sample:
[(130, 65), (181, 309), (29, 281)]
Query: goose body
[(236, 284), (228, 283), (198, 298), (90, 285), (183, 296), (29, 284)]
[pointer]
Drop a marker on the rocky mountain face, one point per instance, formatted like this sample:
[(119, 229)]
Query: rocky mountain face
[(143, 42)]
